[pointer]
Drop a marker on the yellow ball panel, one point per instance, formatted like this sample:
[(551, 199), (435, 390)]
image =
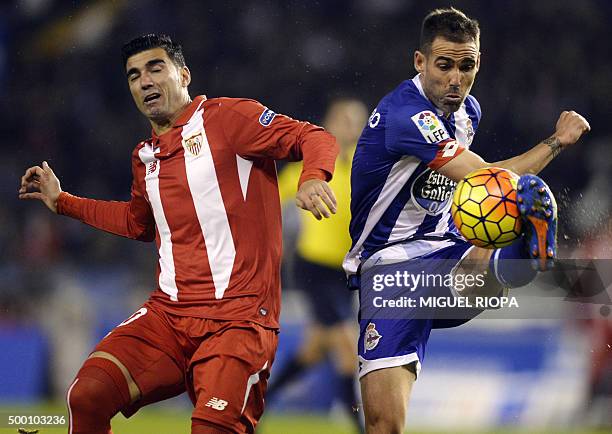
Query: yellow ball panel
[(479, 193), (469, 220), (505, 240), (471, 207), (467, 232), (481, 234), (493, 230), (462, 194), (507, 224)]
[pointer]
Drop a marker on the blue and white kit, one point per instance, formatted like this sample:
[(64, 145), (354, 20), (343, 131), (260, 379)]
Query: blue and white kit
[(400, 207)]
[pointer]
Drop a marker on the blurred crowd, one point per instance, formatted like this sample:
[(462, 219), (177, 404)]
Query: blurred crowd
[(64, 99)]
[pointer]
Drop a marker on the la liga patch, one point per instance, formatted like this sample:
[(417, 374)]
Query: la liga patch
[(430, 126)]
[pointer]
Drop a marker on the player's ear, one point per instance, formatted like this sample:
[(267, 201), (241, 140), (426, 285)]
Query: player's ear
[(185, 76), (419, 61), (478, 62)]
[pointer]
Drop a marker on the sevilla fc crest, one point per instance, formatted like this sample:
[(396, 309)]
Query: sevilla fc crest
[(371, 338), (193, 145)]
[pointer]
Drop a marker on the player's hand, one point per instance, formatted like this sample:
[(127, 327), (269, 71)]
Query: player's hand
[(570, 127), (317, 197), (42, 184)]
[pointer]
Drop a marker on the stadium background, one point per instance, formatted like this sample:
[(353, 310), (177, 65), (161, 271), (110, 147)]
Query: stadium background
[(64, 99)]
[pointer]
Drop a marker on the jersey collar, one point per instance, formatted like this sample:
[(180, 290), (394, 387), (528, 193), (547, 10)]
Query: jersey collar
[(186, 115)]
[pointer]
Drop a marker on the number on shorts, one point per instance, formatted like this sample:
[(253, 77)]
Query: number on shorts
[(140, 312)]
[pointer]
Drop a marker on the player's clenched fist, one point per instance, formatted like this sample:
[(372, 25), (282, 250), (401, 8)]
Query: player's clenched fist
[(42, 184), (317, 197), (570, 127)]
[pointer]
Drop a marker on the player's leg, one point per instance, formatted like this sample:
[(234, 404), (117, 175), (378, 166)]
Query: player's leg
[(341, 344), (330, 305), (385, 395), (390, 354), (126, 371), (229, 374), (98, 392), (311, 351)]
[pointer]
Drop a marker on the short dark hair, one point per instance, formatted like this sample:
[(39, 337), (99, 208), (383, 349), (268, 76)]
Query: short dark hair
[(451, 24), (147, 42)]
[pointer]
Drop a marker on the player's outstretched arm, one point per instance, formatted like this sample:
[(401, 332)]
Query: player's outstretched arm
[(40, 182), (133, 219), (316, 196), (570, 127)]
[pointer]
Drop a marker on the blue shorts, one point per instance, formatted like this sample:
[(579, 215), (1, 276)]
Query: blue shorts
[(394, 325)]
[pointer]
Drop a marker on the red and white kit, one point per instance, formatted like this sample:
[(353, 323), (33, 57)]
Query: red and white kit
[(206, 191)]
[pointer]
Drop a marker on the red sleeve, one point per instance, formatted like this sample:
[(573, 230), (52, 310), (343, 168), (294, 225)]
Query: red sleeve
[(255, 131), (447, 150), (133, 219)]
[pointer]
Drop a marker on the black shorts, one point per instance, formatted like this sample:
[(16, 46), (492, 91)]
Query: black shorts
[(325, 287)]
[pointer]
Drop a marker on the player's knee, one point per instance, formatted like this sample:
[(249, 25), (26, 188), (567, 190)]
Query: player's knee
[(98, 392), (383, 421), (82, 396), (385, 416)]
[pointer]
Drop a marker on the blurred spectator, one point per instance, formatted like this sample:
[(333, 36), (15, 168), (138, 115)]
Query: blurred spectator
[(317, 265)]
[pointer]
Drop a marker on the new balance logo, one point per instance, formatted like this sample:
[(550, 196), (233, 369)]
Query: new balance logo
[(152, 167), (217, 404)]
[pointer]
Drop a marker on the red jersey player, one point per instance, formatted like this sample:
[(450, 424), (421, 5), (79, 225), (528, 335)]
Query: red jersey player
[(204, 188)]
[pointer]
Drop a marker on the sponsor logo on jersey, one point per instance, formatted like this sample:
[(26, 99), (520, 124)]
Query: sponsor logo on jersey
[(216, 403), (266, 117), (193, 144), (151, 167), (432, 192), (371, 338), (430, 126)]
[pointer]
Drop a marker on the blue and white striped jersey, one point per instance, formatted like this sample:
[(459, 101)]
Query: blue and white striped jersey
[(396, 193)]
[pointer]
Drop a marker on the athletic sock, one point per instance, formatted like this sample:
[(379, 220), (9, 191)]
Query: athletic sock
[(511, 265)]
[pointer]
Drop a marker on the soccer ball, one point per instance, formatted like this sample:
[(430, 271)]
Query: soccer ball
[(484, 208)]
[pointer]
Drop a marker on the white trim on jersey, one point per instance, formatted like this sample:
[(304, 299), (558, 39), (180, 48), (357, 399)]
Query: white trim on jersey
[(398, 176), (210, 209), (167, 273), (244, 172), (461, 126), (404, 251)]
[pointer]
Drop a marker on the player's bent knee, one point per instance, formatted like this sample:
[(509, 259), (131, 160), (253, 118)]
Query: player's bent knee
[(96, 395), (385, 417)]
